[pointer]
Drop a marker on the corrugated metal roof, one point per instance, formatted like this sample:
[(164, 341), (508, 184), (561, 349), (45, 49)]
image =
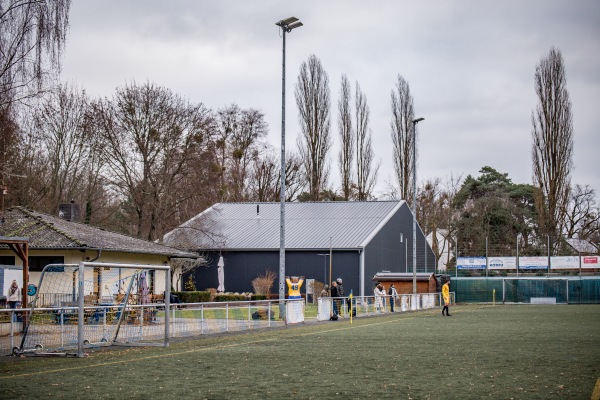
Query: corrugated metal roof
[(582, 246), (401, 276), (308, 225), (49, 232)]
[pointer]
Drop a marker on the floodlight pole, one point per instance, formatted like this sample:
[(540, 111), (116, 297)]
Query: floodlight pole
[(286, 26), (414, 151), (324, 266)]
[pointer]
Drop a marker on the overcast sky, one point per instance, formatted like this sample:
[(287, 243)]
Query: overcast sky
[(470, 66)]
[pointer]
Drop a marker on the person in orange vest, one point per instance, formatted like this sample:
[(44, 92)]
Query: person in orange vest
[(294, 284), (446, 296)]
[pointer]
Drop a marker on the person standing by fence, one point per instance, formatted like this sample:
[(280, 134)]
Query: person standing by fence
[(325, 291), (379, 292), (340, 289), (393, 296), (14, 295), (334, 294), (446, 297)]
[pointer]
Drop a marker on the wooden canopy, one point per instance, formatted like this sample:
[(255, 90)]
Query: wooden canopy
[(20, 245)]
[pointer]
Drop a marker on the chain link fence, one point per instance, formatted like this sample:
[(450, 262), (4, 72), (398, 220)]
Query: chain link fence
[(562, 290)]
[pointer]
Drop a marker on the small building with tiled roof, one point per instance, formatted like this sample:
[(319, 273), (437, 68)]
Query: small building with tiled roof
[(427, 282), (363, 238), (55, 240)]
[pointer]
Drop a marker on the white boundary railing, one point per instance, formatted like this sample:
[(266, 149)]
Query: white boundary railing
[(369, 305), (190, 319)]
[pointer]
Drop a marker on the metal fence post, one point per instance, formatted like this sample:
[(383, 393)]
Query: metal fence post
[(12, 329), (80, 312), (167, 306)]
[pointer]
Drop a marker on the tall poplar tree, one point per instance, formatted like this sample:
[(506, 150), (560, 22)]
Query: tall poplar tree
[(402, 137), (314, 104), (552, 149), (346, 155)]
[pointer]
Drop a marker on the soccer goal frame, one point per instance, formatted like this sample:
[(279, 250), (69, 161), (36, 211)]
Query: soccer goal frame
[(126, 293), (539, 289)]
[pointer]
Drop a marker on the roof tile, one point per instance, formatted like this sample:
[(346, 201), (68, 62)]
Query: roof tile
[(49, 232)]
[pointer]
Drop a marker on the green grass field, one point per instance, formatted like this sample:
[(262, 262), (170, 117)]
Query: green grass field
[(498, 352)]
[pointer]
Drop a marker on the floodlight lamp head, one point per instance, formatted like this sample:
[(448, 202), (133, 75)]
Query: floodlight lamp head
[(415, 121), (289, 23), (294, 26)]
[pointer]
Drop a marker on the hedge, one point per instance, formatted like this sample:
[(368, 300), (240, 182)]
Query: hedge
[(204, 297), (192, 297)]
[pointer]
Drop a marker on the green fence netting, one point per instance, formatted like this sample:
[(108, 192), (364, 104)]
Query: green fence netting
[(583, 290)]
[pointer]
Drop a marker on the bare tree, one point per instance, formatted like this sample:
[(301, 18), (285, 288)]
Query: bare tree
[(265, 178), (72, 153), (226, 122), (32, 36), (552, 149), (198, 187), (263, 183), (60, 123), (295, 177), (21, 154), (244, 143), (366, 172), (437, 215), (346, 155), (239, 134), (313, 100), (150, 135), (583, 214), (402, 137)]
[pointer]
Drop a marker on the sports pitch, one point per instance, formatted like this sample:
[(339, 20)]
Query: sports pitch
[(481, 351)]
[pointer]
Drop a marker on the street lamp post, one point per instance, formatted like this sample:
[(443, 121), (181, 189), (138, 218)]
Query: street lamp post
[(286, 26), (414, 151), (324, 255), (405, 251)]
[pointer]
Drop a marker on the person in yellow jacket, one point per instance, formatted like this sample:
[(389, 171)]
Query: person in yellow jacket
[(294, 284), (446, 296)]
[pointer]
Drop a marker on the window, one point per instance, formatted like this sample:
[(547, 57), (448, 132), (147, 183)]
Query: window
[(37, 263), (7, 260)]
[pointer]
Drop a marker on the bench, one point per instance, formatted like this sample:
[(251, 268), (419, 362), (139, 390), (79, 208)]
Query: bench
[(91, 299), (158, 298)]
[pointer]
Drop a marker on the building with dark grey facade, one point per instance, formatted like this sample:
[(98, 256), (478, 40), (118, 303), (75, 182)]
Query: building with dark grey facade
[(364, 238)]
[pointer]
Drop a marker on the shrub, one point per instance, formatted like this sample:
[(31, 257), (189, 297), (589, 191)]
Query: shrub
[(213, 293), (230, 297), (193, 297), (262, 284), (190, 285)]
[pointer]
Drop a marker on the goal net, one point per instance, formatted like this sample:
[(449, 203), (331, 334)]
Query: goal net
[(526, 290), (94, 304)]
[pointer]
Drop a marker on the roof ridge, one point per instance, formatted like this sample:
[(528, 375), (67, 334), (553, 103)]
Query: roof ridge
[(309, 202), (50, 225)]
